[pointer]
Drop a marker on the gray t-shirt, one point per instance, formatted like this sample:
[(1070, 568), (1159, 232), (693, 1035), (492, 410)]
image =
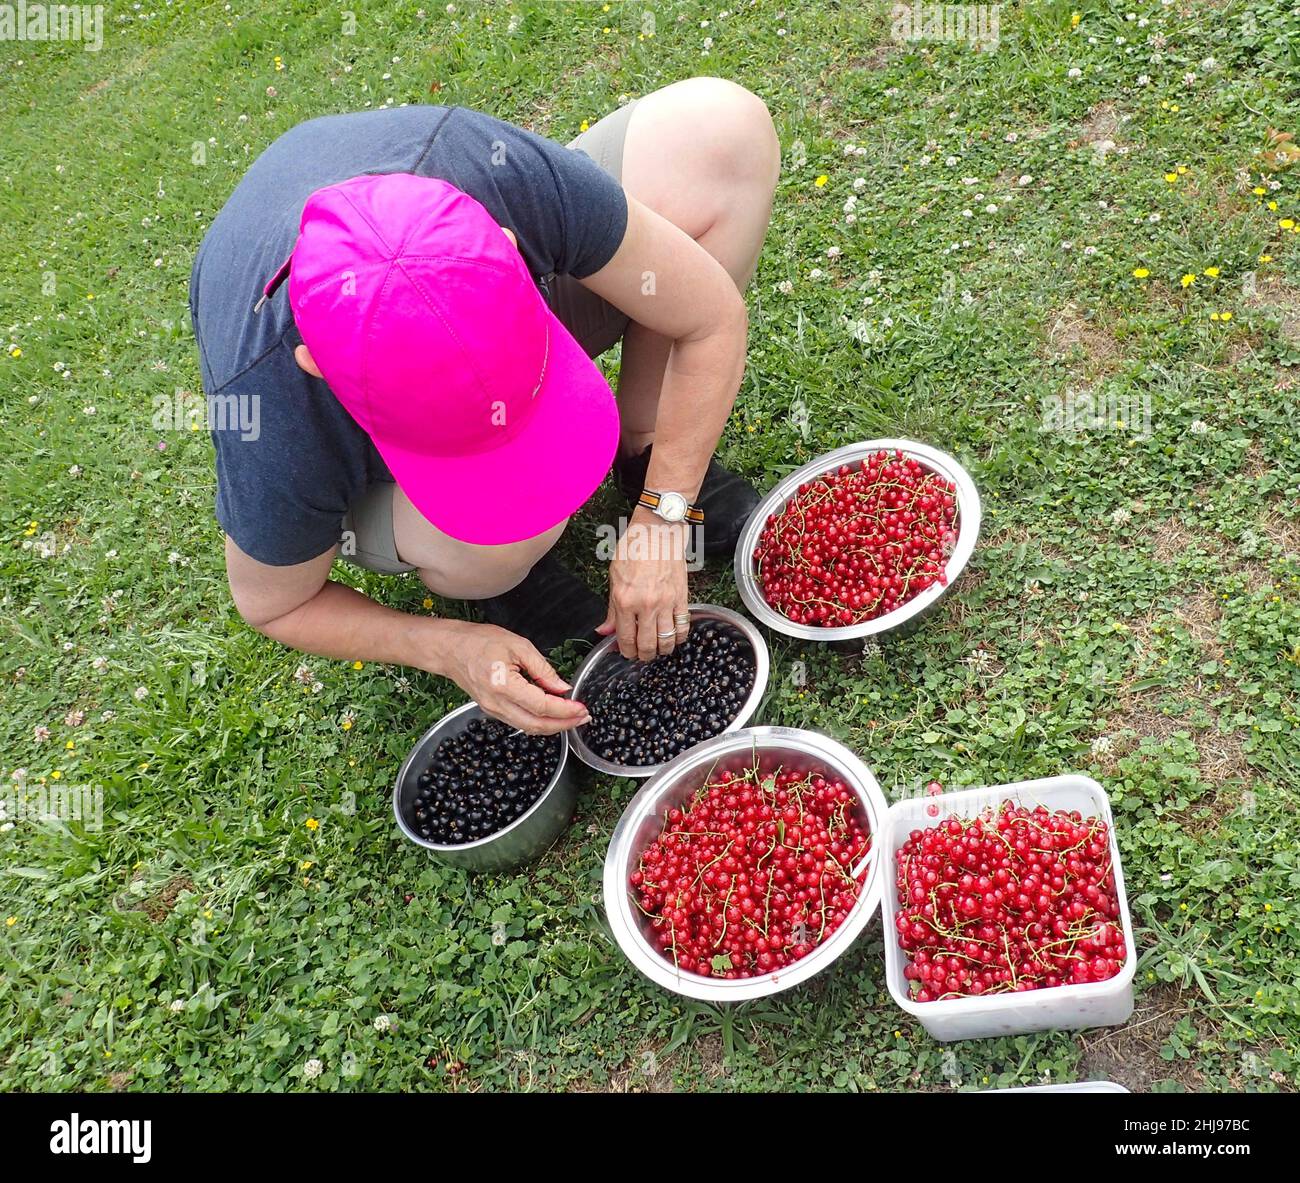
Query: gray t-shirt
[(290, 459)]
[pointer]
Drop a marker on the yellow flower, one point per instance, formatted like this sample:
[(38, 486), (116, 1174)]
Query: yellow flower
[(347, 724), (821, 181), (1266, 258), (1272, 205), (604, 8), (1286, 223), (15, 352), (1225, 316), (312, 824), (1188, 279), (1140, 273), (583, 125), (1174, 107), (11, 921), (1182, 907), (1258, 191), (57, 774), (1075, 18), (207, 913), (1212, 272), (70, 746), (1214, 316), (1171, 177), (356, 665), (1268, 907), (1182, 170), (1164, 104), (306, 865), (427, 602), (90, 295)]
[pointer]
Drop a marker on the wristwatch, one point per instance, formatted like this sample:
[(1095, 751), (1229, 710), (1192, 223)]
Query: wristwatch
[(670, 506)]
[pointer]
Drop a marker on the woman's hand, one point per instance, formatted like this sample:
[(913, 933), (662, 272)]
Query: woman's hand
[(647, 588), (494, 667)]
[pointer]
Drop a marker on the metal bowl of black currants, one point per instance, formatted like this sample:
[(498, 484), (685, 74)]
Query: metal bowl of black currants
[(481, 795), (643, 714)]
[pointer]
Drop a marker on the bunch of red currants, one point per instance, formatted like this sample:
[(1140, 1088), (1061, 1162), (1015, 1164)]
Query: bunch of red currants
[(858, 542), (1015, 899), (754, 873)]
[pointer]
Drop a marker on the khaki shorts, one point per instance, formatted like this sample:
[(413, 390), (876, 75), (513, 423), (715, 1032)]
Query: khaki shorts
[(595, 324)]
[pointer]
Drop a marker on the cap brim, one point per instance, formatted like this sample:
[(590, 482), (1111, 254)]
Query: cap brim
[(535, 480)]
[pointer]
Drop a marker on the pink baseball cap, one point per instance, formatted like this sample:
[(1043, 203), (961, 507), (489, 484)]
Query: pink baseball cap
[(427, 326)]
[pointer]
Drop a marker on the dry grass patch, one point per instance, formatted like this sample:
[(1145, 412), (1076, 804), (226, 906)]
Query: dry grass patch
[(1076, 337), (158, 906), (1130, 1055)]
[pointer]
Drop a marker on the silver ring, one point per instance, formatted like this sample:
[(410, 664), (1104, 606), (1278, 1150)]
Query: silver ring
[(665, 636), (682, 618)]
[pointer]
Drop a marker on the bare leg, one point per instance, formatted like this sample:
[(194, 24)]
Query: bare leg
[(704, 154), (461, 570)]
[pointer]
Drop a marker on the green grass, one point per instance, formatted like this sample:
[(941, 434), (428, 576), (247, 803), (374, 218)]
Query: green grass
[(1132, 611)]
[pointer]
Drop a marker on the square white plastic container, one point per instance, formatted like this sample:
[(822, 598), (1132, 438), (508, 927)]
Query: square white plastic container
[(1065, 1008)]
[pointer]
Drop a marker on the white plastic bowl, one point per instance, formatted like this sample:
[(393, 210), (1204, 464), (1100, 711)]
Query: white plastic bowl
[(1059, 1008)]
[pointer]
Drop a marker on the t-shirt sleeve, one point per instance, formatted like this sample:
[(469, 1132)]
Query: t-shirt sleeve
[(568, 214), (285, 470)]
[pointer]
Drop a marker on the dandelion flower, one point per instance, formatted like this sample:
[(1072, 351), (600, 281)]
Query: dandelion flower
[(1171, 177), (1188, 279), (1212, 272), (1286, 223), (1140, 273), (312, 824), (820, 182)]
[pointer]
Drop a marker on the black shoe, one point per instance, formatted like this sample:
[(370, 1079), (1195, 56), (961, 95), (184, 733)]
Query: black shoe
[(551, 606), (727, 501)]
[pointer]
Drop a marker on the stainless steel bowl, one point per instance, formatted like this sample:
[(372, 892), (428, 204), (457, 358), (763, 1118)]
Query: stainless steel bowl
[(523, 840), (604, 664), (643, 821), (968, 528)]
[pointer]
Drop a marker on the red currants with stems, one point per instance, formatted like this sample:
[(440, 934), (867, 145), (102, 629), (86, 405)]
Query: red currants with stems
[(754, 873), (1012, 900), (858, 542)]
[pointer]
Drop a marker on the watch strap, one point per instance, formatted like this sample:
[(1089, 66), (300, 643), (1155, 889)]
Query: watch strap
[(650, 500)]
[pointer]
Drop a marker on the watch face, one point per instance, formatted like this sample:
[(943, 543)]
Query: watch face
[(672, 507)]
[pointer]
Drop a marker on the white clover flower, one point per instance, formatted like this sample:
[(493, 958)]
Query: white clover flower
[(40, 733), (1025, 179), (317, 687), (382, 1023), (1143, 79), (140, 693), (1121, 517), (75, 470), (968, 213), (1199, 427), (74, 718), (816, 273), (1011, 137), (1101, 745), (785, 287), (952, 161), (313, 1068), (499, 936), (859, 183), (302, 675), (1189, 79), (108, 716), (18, 775), (849, 219), (99, 664), (176, 1006), (1090, 250), (1074, 72), (833, 252), (991, 208)]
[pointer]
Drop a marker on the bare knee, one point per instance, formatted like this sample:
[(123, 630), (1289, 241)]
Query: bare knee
[(478, 573), (739, 136)]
